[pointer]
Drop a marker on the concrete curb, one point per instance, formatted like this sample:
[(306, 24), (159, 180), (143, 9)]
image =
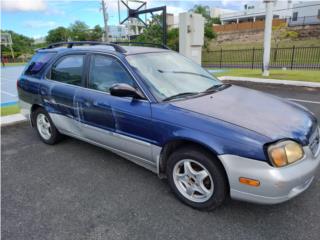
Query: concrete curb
[(271, 81), (12, 119)]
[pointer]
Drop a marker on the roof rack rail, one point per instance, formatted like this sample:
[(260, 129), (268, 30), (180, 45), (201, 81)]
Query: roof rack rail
[(79, 43), (144, 44)]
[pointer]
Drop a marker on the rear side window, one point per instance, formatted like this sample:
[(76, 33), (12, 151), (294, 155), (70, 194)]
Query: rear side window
[(38, 62), (69, 70)]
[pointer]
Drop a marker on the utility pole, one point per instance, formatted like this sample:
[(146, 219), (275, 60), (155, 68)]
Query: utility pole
[(105, 19), (267, 37)]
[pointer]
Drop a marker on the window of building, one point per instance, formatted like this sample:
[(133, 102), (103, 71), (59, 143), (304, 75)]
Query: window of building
[(295, 16)]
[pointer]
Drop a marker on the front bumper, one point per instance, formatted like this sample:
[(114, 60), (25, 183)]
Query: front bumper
[(276, 184)]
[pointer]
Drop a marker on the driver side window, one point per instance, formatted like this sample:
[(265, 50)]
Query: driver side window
[(106, 71)]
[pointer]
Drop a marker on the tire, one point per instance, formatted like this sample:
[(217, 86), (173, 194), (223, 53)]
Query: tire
[(204, 186), (49, 136)]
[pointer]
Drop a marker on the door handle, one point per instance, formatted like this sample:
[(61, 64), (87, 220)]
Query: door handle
[(87, 103), (101, 104)]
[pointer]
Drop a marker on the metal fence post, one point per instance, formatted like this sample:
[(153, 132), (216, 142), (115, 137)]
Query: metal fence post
[(275, 54), (292, 56), (252, 58), (220, 57)]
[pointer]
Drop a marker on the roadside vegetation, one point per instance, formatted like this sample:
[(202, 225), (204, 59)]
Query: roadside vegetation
[(9, 110), (24, 47), (15, 64), (296, 75)]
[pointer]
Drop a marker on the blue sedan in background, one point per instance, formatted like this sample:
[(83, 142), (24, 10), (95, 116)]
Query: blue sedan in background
[(164, 112)]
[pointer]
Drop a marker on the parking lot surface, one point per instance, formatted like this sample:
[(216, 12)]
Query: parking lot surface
[(9, 76), (74, 190)]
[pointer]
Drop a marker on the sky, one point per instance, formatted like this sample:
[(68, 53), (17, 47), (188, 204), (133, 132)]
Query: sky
[(34, 18)]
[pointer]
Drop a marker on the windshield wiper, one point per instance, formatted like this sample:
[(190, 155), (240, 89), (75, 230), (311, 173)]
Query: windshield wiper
[(180, 95), (182, 72), (217, 87)]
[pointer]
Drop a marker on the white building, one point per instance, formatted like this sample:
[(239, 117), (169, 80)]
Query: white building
[(305, 13), (217, 12), (254, 11), (118, 32)]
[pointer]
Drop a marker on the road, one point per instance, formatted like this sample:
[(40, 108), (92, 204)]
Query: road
[(74, 190), (9, 76)]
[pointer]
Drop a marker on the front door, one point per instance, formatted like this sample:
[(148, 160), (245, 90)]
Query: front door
[(124, 124)]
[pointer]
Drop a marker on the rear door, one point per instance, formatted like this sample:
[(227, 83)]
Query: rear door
[(64, 79)]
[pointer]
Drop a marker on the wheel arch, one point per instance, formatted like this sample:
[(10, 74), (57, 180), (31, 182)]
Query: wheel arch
[(34, 107), (174, 144)]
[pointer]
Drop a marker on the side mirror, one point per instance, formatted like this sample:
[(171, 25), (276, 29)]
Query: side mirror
[(125, 90)]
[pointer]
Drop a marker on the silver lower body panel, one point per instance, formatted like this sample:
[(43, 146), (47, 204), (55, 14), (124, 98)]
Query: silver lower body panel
[(137, 151), (276, 184)]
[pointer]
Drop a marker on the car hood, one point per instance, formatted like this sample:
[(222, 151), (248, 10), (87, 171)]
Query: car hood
[(263, 113)]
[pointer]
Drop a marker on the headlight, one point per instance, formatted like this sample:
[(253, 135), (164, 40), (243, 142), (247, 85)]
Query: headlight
[(284, 153)]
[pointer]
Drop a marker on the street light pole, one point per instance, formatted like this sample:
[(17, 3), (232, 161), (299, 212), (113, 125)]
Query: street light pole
[(267, 36), (105, 19)]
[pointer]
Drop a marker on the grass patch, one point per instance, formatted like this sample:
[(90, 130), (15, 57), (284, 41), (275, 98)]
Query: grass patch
[(15, 64), (297, 75), (9, 110)]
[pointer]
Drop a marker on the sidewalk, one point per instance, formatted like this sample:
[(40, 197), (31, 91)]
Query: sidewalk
[(271, 81), (12, 119)]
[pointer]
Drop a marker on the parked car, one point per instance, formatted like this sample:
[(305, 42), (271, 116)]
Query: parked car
[(164, 112)]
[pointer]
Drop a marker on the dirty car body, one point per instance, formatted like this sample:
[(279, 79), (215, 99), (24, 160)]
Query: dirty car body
[(237, 126)]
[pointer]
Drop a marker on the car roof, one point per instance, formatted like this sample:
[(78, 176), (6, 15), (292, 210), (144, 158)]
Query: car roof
[(130, 50)]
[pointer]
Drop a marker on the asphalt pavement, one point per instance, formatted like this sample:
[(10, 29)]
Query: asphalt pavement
[(74, 190), (9, 76)]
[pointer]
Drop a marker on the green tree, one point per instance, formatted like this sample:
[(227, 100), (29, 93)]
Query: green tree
[(59, 34), (173, 39), (203, 10), (79, 31), (96, 33), (209, 21), (153, 34), (21, 44)]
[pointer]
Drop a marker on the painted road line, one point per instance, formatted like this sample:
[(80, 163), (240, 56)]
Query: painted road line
[(305, 101), (10, 94), (6, 104)]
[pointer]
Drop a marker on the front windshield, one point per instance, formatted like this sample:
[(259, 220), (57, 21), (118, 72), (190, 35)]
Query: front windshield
[(171, 74)]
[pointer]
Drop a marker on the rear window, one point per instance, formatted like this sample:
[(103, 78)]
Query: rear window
[(38, 62)]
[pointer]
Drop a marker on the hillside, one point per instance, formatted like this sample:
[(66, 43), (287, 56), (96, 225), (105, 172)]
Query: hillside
[(308, 36)]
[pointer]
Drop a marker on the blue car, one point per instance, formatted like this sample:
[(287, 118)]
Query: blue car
[(164, 112)]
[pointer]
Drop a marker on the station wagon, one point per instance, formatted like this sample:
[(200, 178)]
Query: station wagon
[(159, 109)]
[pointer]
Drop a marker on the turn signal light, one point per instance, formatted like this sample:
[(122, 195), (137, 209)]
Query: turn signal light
[(250, 182)]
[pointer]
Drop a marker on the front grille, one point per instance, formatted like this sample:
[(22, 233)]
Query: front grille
[(314, 142)]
